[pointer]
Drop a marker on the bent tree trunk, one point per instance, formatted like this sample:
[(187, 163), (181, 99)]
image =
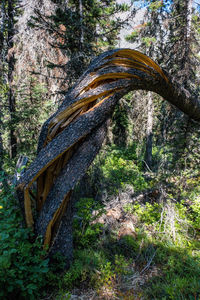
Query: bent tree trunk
[(71, 138)]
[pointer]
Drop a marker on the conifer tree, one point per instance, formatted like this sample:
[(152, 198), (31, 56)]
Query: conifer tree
[(82, 29), (149, 37), (181, 59), (11, 65), (168, 32), (9, 12)]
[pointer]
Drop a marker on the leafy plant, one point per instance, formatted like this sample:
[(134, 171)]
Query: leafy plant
[(119, 168), (148, 213), (85, 230), (23, 267), (85, 266)]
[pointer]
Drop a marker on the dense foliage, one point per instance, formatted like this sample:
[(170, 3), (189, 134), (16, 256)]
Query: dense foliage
[(82, 29), (22, 269), (136, 221), (158, 256)]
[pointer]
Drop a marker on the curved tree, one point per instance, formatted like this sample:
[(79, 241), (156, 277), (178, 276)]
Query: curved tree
[(71, 138)]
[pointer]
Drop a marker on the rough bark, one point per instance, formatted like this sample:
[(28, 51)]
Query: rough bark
[(75, 169), (72, 137)]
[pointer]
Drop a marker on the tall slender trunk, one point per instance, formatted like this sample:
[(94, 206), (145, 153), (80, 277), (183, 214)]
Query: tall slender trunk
[(149, 131), (188, 30), (189, 19), (81, 24), (1, 152), (187, 77), (2, 28), (11, 95)]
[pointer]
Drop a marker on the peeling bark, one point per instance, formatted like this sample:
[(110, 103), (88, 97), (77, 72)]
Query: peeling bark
[(71, 138), (74, 171)]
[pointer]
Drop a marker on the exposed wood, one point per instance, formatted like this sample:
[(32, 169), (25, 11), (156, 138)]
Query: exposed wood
[(71, 138), (72, 172)]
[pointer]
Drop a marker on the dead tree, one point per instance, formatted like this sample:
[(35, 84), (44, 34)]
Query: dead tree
[(71, 138)]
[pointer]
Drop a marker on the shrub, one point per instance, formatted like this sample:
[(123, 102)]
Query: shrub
[(119, 169), (22, 267), (85, 231), (180, 275), (85, 265)]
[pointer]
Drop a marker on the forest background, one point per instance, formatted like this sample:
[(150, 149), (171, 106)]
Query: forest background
[(136, 221)]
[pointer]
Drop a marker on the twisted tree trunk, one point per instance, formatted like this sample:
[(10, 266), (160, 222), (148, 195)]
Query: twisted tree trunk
[(71, 138)]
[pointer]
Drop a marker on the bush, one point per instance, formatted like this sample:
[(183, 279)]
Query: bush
[(180, 275), (85, 231), (84, 267), (22, 267), (119, 168)]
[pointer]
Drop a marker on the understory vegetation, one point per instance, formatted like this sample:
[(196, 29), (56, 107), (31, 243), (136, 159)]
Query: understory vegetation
[(138, 239), (139, 245), (136, 217)]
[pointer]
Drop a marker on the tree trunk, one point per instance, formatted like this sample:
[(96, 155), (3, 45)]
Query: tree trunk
[(185, 69), (188, 29), (11, 64), (120, 121), (1, 154), (3, 17), (71, 138), (149, 131), (2, 28), (81, 25)]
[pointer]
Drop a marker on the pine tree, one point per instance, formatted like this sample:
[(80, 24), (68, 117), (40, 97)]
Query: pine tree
[(169, 35), (11, 64), (81, 30), (149, 37), (181, 59), (9, 13), (23, 54)]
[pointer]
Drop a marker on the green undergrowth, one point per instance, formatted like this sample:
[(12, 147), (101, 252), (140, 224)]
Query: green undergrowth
[(163, 256), (161, 260), (22, 269), (158, 259), (25, 272), (118, 167), (170, 230)]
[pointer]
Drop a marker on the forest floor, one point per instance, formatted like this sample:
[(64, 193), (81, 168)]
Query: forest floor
[(136, 237), (142, 241)]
